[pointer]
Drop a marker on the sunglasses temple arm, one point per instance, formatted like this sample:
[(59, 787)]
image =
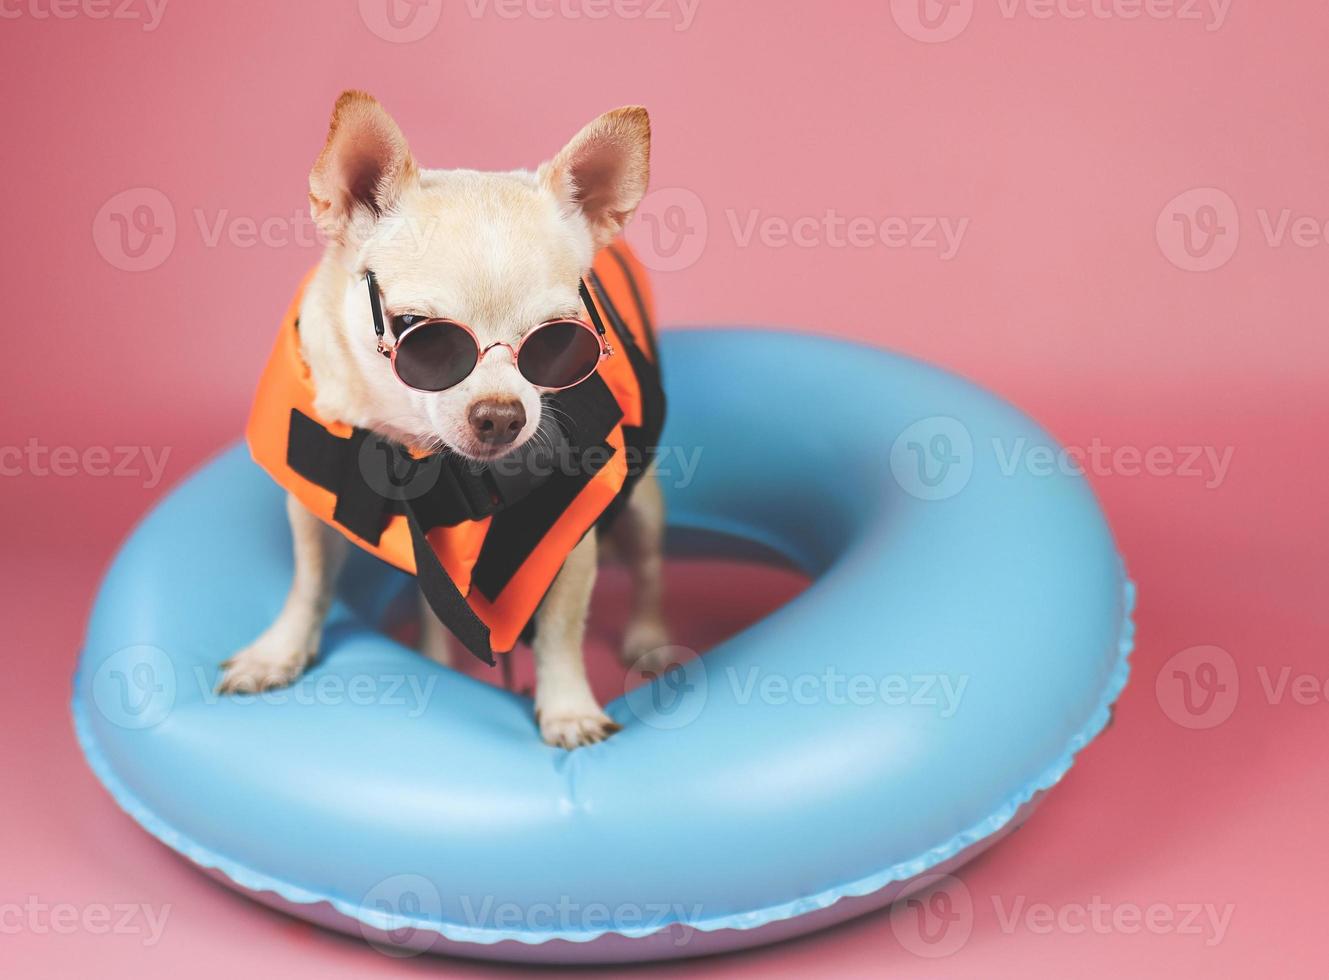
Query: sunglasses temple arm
[(375, 303), (590, 308)]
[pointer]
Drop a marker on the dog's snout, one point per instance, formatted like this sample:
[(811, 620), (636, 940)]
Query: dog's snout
[(496, 422)]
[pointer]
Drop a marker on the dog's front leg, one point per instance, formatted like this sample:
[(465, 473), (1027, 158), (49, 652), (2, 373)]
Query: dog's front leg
[(290, 644), (565, 708)]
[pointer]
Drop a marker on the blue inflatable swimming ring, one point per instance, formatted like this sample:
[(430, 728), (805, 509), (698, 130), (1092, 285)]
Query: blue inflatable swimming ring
[(964, 636)]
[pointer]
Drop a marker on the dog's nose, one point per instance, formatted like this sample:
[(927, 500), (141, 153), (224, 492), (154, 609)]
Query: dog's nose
[(496, 422)]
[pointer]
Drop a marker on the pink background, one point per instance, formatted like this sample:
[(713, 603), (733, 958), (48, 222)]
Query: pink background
[(1061, 140)]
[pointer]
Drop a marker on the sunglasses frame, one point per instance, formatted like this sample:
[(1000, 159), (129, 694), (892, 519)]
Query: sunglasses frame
[(389, 350)]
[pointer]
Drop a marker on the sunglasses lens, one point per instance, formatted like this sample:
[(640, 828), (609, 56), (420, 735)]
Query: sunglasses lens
[(559, 354), (435, 356)]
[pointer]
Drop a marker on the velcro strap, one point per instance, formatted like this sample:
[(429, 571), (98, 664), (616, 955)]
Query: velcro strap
[(360, 507)]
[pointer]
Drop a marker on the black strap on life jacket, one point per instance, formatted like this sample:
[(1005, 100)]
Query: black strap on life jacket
[(647, 327), (641, 443)]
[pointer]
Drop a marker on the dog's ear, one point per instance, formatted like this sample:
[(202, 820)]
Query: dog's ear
[(603, 172), (363, 168)]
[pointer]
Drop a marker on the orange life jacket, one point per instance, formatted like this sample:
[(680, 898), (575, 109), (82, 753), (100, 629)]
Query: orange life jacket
[(485, 542)]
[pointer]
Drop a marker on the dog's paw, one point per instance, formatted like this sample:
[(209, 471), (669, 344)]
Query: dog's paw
[(571, 730), (646, 646), (261, 668)]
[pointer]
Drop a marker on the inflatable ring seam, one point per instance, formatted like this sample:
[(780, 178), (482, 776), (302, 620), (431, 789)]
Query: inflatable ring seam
[(254, 881)]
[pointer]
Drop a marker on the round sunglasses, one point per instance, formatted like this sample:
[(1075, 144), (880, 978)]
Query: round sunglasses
[(435, 354)]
